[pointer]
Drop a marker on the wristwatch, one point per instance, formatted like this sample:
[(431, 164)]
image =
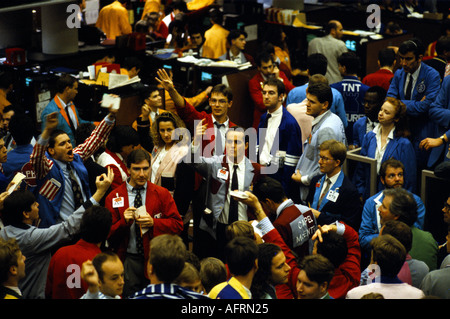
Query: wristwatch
[(443, 139)]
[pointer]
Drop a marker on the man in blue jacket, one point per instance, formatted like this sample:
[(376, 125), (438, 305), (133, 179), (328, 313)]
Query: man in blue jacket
[(68, 118), (61, 179), (392, 173), (279, 135), (417, 85)]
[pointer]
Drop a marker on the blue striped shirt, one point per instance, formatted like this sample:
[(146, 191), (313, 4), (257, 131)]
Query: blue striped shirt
[(167, 291)]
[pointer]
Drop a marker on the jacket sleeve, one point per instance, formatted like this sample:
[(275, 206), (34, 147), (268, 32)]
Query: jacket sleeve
[(439, 111), (170, 221), (368, 229), (338, 107), (98, 136), (255, 91)]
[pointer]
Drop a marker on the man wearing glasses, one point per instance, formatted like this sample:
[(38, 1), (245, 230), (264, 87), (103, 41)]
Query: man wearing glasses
[(332, 196)]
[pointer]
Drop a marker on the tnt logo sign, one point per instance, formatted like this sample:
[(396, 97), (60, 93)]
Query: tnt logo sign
[(374, 19), (73, 20)]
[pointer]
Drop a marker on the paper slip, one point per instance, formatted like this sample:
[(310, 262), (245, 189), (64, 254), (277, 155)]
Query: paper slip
[(108, 99), (16, 180), (141, 212)]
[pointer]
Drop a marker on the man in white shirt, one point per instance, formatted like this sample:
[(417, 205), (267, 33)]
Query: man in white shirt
[(279, 136)]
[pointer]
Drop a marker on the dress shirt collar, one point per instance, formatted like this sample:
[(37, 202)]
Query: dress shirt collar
[(283, 205), (318, 118)]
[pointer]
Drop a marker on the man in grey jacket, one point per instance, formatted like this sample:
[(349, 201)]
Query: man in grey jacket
[(21, 215)]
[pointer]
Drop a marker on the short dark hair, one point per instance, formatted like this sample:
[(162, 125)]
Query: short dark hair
[(333, 247), (399, 230), (234, 34), (350, 61), (391, 162), (224, 90), (318, 268), (122, 135), (216, 15), (22, 128), (52, 139), (269, 188), (137, 156), (64, 81), (95, 224), (386, 57), (277, 83), (263, 57), (402, 205), (414, 45), (240, 255), (380, 92), (442, 45), (389, 254), (317, 63), (15, 204), (322, 92), (167, 256)]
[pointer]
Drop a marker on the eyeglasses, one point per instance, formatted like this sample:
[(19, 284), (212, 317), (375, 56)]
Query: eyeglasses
[(325, 159), (446, 206)]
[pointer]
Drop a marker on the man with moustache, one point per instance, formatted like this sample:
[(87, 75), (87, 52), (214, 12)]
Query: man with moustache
[(391, 176), (61, 179)]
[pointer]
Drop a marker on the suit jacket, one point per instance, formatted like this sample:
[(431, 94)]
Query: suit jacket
[(439, 114), (329, 127), (370, 218), (296, 225), (427, 86), (346, 208), (63, 118), (382, 78), (289, 141), (159, 204), (255, 89), (399, 148), (218, 187)]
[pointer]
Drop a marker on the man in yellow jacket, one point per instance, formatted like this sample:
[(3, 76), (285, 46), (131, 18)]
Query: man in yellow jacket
[(113, 20)]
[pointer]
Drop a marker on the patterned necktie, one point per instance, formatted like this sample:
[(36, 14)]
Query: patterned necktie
[(409, 87), (137, 228), (77, 194), (233, 211), (327, 188)]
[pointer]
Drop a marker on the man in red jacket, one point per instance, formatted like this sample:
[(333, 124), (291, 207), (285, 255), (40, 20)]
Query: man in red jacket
[(140, 211), (267, 69)]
